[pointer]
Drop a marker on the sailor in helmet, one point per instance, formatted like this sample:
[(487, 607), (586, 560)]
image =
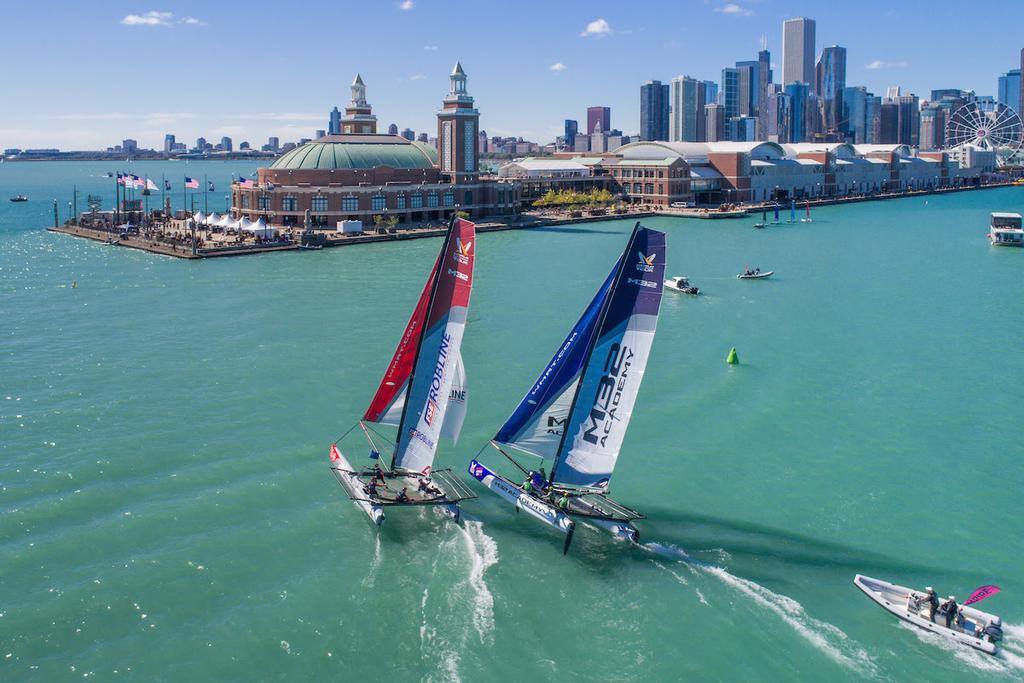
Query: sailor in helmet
[(994, 630)]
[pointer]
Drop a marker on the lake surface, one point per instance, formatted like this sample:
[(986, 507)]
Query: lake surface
[(168, 512)]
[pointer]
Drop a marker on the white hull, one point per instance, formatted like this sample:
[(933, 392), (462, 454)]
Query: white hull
[(350, 482), (523, 502), (893, 598)]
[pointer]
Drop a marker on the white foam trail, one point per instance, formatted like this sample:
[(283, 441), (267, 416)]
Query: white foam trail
[(483, 554), (678, 578), (669, 551), (829, 639), (371, 576)]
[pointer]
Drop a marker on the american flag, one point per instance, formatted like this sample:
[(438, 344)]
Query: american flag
[(120, 179), (191, 183), (138, 182), (246, 183)]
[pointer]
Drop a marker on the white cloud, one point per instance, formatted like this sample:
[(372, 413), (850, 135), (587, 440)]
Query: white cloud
[(430, 48), (274, 116), (879, 64), (417, 77), (154, 18), (151, 18), (106, 116), (598, 28), (734, 9), (406, 5), (558, 67)]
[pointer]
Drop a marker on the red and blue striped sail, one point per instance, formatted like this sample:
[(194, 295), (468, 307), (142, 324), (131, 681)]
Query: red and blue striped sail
[(614, 367), (430, 383), (536, 424)]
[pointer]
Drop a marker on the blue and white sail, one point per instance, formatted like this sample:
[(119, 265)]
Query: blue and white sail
[(536, 424), (614, 367)]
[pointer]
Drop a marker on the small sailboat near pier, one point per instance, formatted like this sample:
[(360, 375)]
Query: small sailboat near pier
[(423, 393), (576, 414)]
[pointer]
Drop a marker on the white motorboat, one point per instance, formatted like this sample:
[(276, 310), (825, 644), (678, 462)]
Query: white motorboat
[(1005, 230), (679, 283), (755, 275), (910, 606)]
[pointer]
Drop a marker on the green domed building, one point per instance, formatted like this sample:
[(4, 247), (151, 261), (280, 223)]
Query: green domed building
[(357, 174)]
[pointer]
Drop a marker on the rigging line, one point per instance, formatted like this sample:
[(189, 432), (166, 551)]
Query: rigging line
[(345, 434), (372, 444), (510, 458)]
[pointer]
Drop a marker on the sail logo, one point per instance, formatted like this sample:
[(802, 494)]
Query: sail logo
[(477, 470), (430, 412), (646, 263), (462, 250), (603, 411), (430, 408), (461, 276), (420, 436), (555, 425)]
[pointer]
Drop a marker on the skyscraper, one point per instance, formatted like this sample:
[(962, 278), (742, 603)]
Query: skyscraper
[(654, 107), (933, 127), (169, 143), (798, 94), (908, 120), (764, 79), (798, 51), (747, 88), (780, 117), (688, 119), (1020, 110), (1009, 89), (830, 80), (888, 123), (731, 91), (596, 115), (572, 128), (714, 115), (855, 114), (225, 144)]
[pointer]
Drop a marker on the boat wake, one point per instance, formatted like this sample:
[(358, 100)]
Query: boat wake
[(1008, 660), (826, 637), (483, 552), (829, 639)]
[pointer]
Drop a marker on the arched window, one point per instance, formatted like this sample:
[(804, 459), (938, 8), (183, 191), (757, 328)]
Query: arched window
[(379, 202), (319, 204), (350, 203), (449, 198), (289, 203)]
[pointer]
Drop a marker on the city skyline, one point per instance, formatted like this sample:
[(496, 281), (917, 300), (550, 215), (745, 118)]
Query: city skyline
[(175, 57)]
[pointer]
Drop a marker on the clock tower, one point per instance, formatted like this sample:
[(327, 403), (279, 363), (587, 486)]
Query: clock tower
[(457, 125)]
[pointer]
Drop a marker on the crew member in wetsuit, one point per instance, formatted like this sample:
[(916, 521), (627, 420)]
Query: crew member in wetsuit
[(949, 608), (933, 603), (402, 496), (379, 474), (528, 484), (563, 502), (994, 630)]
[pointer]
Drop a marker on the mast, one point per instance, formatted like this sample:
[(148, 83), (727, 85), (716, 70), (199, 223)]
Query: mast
[(419, 341), (590, 351)]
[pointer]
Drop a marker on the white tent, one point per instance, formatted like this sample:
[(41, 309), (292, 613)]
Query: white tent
[(226, 221), (199, 218), (212, 219), (261, 229), (242, 224)]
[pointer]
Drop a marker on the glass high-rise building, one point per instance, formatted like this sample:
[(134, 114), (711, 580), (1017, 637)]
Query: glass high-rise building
[(731, 91), (1009, 89), (798, 94), (688, 120), (572, 128), (908, 120), (830, 81), (654, 107), (764, 79), (798, 51)]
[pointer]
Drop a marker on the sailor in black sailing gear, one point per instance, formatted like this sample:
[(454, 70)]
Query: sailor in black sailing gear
[(949, 608), (403, 496), (933, 603), (378, 474), (994, 630)]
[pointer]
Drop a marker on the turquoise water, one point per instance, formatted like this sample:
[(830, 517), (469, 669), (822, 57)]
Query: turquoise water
[(168, 512)]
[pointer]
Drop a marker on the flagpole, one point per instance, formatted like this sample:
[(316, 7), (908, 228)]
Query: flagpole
[(206, 193), (117, 199), (163, 196)]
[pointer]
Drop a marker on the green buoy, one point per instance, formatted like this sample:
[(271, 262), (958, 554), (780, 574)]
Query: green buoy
[(733, 358)]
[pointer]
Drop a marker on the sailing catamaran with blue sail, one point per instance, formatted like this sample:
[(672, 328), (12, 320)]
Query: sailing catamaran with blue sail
[(423, 393), (576, 414)]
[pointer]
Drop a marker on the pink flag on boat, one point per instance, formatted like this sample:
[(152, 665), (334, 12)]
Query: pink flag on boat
[(982, 593)]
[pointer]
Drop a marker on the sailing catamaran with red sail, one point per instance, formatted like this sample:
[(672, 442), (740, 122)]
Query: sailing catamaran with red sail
[(423, 393), (577, 412)]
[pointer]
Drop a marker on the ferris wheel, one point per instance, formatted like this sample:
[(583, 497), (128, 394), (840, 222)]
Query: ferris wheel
[(999, 130)]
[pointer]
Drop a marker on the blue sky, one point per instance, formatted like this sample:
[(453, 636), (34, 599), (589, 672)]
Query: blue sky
[(84, 75)]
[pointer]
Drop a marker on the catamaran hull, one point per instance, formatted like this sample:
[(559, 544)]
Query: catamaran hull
[(350, 482), (524, 502), (621, 530)]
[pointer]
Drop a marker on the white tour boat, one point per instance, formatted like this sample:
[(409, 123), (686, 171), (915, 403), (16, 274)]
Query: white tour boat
[(1005, 230)]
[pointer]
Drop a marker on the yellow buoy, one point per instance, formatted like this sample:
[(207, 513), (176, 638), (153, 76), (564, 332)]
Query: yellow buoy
[(733, 358)]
